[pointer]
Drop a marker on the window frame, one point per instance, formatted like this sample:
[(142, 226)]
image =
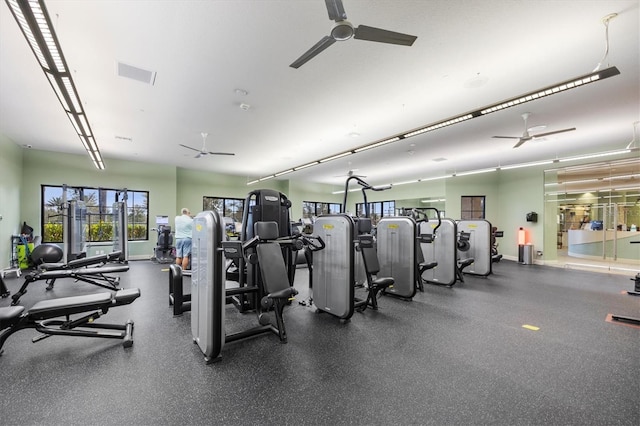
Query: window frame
[(99, 202)]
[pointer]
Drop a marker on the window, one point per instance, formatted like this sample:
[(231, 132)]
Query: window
[(98, 220), (472, 207), (376, 210), (312, 209), (228, 207), (231, 208)]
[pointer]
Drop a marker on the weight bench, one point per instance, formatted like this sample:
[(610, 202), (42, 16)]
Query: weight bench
[(83, 269), (45, 317)]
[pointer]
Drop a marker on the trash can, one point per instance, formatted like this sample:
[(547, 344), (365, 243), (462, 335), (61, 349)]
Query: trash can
[(527, 254)]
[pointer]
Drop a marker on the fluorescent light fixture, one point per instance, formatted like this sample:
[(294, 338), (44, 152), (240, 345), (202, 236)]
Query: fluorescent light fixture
[(283, 172), (519, 166), (551, 90), (306, 165), (376, 144), (598, 154), (73, 120), (626, 188), (439, 125), (434, 200), (334, 157), (406, 182), (508, 103), (34, 22), (436, 178), (253, 181), (561, 200), (266, 178), (476, 172)]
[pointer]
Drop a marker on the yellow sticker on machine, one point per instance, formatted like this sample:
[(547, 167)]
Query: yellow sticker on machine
[(327, 226), (472, 225), (393, 226), (198, 227)]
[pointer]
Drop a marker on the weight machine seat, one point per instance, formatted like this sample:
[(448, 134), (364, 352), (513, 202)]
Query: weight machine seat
[(461, 264), (377, 284), (496, 258), (41, 317), (425, 266), (273, 269)]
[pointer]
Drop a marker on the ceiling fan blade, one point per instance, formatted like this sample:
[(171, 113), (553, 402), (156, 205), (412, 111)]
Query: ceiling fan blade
[(364, 32), (336, 10), (540, 135), (520, 142), (188, 147), (221, 153), (198, 155), (325, 42), (506, 137)]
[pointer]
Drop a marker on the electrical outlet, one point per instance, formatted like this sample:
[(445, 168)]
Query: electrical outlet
[(539, 253)]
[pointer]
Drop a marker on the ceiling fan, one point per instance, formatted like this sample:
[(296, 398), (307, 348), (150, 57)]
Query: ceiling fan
[(527, 137), (344, 30), (351, 172), (203, 151)]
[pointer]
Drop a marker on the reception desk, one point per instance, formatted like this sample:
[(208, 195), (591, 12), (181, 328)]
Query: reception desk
[(588, 244)]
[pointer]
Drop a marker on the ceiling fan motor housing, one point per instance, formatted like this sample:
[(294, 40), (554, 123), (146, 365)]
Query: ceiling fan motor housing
[(342, 30)]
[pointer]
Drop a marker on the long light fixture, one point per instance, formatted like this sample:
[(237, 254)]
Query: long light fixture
[(33, 19), (499, 106), (510, 167)]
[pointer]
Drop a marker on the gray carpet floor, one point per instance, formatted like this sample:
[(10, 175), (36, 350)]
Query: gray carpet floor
[(451, 356)]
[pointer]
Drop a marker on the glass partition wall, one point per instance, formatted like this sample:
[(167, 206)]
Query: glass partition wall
[(592, 215)]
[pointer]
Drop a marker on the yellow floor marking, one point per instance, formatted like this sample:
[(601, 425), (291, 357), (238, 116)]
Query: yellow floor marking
[(531, 327), (164, 269)]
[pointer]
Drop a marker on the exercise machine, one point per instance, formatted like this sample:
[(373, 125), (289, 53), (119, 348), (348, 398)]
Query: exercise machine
[(397, 246), (635, 292), (261, 205), (208, 293), (474, 242), (45, 317), (164, 249), (121, 226)]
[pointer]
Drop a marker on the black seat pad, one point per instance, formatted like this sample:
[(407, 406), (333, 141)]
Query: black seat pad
[(382, 282), (69, 305), (465, 262), (9, 313)]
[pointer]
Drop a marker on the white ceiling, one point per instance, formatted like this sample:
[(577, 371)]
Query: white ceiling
[(467, 55)]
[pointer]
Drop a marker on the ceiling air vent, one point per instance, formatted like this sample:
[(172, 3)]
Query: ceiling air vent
[(135, 73)]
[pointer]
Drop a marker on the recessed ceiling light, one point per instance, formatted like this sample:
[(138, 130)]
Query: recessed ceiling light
[(354, 134), (245, 107)]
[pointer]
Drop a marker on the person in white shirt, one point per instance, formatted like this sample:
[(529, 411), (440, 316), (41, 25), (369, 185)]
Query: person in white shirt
[(184, 224)]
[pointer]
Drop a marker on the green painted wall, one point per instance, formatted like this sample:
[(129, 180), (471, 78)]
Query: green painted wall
[(510, 194), (10, 195)]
